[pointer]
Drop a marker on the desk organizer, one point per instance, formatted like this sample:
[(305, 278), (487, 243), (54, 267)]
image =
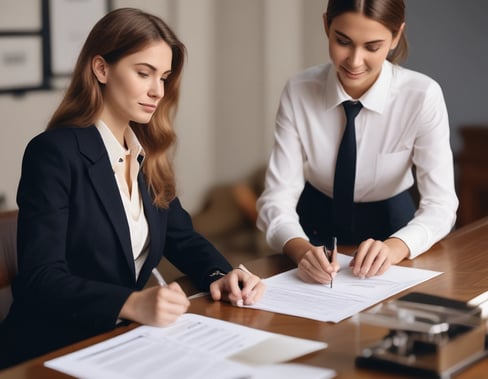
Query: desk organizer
[(422, 335)]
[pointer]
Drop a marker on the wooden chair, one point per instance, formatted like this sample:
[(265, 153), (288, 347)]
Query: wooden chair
[(8, 258)]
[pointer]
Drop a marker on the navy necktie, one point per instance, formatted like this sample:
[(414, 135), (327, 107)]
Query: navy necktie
[(345, 173)]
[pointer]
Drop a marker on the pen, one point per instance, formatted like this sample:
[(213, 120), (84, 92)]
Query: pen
[(243, 268), (158, 277), (329, 254), (333, 254)]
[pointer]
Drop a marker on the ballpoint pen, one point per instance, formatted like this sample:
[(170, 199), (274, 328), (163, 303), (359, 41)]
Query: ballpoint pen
[(163, 283), (329, 254), (243, 268), (158, 277)]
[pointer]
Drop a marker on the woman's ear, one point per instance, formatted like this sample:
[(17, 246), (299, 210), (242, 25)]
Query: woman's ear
[(326, 24), (100, 68), (396, 39)]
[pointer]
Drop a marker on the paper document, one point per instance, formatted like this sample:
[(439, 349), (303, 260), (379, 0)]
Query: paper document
[(291, 371), (193, 347), (287, 294)]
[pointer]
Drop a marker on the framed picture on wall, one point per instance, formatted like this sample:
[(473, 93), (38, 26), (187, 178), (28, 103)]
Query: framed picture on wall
[(21, 62), (20, 16), (69, 24), (40, 40)]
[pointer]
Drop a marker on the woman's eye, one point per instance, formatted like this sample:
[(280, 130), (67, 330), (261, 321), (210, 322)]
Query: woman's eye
[(342, 42), (142, 74), (372, 48)]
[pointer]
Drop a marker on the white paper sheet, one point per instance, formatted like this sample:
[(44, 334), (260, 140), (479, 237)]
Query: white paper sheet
[(287, 294), (291, 371), (193, 347)]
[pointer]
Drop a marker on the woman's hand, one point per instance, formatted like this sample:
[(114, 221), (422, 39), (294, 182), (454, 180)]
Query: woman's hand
[(313, 265), (374, 257), (156, 306), (239, 287)]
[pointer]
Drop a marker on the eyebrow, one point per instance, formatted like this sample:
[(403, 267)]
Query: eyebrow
[(151, 67), (366, 43)]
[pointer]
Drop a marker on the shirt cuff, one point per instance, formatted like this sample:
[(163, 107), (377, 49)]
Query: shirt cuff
[(415, 237), (214, 275), (280, 236)]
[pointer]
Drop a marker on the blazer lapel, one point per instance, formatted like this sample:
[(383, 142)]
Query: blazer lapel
[(101, 175), (155, 231)]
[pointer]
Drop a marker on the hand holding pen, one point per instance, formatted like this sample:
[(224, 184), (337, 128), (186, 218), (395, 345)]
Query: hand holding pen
[(157, 305), (316, 264)]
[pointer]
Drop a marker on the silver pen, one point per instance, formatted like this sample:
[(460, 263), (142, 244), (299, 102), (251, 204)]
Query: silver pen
[(158, 277), (329, 254)]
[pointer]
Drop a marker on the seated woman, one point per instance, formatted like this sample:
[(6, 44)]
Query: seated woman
[(97, 201)]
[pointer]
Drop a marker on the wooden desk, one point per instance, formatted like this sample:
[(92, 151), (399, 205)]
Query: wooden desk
[(462, 256)]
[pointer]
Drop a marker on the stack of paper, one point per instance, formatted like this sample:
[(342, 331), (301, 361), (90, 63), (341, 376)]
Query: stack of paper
[(193, 347)]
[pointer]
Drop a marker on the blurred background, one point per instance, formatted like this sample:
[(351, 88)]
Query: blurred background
[(240, 54)]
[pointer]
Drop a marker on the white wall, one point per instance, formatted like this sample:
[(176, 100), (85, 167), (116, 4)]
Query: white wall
[(240, 52), (22, 118)]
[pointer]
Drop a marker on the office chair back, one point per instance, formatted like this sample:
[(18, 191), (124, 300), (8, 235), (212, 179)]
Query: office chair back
[(8, 258)]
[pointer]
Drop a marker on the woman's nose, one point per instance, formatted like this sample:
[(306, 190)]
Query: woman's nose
[(356, 58), (157, 89)]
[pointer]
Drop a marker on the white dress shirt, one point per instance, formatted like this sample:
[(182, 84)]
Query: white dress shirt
[(403, 122), (132, 201)]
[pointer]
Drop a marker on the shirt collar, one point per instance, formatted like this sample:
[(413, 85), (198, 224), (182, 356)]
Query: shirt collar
[(117, 152), (374, 99), (335, 93)]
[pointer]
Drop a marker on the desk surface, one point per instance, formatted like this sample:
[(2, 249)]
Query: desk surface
[(462, 256)]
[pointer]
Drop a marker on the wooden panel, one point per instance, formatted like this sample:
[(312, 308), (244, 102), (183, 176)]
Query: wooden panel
[(473, 175), (8, 251)]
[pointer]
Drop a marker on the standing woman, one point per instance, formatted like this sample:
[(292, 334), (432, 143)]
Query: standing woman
[(97, 200), (320, 185)]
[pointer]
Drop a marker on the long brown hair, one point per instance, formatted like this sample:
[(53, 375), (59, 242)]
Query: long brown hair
[(119, 33), (390, 13)]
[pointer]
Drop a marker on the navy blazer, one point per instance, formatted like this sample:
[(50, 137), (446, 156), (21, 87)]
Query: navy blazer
[(76, 267)]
